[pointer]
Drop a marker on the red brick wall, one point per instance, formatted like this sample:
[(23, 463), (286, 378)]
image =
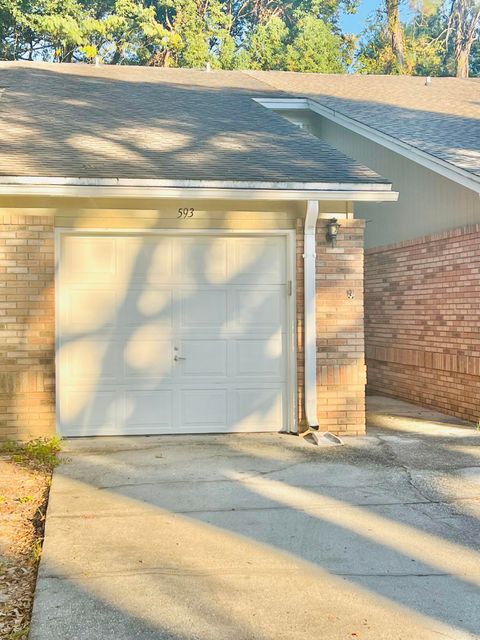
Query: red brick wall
[(422, 301), (340, 333), (26, 327)]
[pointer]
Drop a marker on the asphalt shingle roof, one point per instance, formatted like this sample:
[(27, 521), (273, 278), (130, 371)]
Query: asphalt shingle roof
[(83, 121), (146, 123), (441, 119)]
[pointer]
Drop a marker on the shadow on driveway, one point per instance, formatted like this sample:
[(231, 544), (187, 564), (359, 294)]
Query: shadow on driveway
[(266, 537)]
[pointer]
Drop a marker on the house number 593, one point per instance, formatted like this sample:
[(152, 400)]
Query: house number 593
[(185, 212)]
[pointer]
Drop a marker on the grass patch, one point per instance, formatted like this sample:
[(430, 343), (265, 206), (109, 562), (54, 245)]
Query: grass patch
[(41, 454), (18, 635)]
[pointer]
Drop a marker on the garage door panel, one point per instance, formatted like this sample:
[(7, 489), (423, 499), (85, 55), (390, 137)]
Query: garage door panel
[(89, 360), (148, 304), (204, 408), (203, 308), (203, 358), (257, 260), (148, 408), (147, 359), (259, 409), (147, 259), (258, 307), (203, 260), (90, 410), (89, 258), (88, 309), (261, 357)]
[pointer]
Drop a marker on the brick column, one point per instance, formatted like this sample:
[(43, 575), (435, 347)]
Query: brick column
[(340, 332), (27, 327)]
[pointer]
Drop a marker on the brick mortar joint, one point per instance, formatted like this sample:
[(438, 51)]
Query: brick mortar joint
[(434, 237)]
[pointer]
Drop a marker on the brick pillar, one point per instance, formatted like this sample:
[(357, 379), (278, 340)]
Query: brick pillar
[(27, 327), (340, 333)]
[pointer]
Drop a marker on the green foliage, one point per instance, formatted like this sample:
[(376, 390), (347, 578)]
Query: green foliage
[(41, 453), (262, 34), (315, 48), (266, 47), (430, 37), (295, 35)]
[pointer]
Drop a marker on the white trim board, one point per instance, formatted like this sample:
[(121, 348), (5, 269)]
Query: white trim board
[(313, 191), (291, 308), (442, 167)]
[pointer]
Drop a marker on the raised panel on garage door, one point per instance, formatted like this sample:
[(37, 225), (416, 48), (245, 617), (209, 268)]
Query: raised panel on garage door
[(177, 334)]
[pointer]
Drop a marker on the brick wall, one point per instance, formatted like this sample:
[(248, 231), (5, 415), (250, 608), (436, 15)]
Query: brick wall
[(27, 371), (26, 327), (422, 301), (340, 334)]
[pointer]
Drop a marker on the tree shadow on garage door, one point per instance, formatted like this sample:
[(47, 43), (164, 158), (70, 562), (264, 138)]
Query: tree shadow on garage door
[(142, 355)]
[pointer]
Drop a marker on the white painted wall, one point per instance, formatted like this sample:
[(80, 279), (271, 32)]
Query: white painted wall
[(428, 202)]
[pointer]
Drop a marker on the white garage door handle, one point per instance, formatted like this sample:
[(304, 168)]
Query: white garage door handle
[(177, 358)]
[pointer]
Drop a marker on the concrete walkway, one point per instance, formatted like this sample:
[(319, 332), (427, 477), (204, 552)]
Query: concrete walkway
[(266, 537)]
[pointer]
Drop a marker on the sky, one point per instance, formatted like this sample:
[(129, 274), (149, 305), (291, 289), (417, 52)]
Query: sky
[(356, 23)]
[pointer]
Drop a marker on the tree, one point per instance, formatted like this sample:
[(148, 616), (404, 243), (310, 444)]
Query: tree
[(224, 33), (395, 32), (424, 47), (464, 23), (315, 48)]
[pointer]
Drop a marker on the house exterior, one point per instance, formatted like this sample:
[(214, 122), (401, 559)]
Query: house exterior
[(422, 260), (164, 259)]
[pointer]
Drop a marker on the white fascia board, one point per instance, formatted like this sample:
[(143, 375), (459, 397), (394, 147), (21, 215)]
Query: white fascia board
[(287, 104), (320, 191), (442, 167)]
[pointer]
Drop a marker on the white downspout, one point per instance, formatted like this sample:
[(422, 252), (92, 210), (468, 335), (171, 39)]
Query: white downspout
[(310, 327)]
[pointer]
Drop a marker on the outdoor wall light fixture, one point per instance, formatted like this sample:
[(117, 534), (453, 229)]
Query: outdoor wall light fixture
[(332, 231)]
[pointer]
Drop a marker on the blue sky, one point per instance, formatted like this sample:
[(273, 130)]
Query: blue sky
[(356, 23)]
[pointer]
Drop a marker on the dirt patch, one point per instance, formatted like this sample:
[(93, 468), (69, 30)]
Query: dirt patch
[(24, 487)]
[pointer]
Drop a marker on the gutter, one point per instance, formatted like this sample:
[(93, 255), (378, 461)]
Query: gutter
[(310, 327), (62, 187)]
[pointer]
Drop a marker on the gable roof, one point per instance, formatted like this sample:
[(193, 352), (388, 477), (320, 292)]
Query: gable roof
[(170, 126), (441, 119), (125, 124)]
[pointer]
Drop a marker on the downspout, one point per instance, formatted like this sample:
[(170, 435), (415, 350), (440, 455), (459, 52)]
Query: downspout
[(324, 438), (310, 327)]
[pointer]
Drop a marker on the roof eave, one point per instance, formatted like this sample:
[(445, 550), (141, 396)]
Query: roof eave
[(136, 189), (434, 163)]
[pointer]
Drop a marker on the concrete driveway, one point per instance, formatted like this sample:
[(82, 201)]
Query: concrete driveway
[(266, 537)]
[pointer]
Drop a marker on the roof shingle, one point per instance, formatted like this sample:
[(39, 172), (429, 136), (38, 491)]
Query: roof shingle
[(441, 119), (144, 123)]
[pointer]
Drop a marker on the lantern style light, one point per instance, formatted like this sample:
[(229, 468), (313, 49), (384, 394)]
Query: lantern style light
[(332, 231)]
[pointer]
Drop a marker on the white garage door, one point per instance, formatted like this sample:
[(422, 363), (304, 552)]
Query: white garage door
[(171, 334)]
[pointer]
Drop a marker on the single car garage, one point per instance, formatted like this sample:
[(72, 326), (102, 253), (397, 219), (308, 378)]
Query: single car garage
[(168, 333)]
